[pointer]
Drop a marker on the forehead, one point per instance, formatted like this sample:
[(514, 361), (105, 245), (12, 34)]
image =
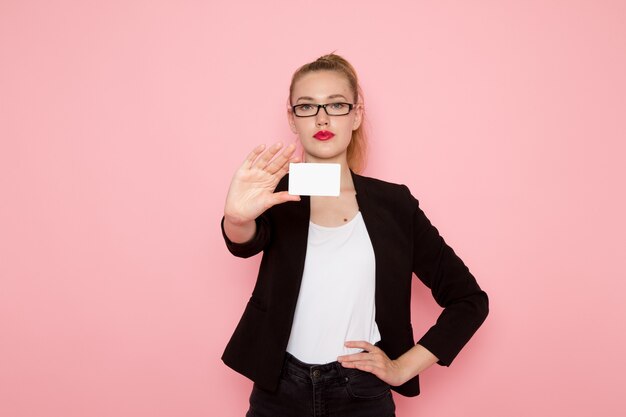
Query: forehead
[(321, 84)]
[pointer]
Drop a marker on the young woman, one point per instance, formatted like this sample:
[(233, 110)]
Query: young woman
[(327, 330)]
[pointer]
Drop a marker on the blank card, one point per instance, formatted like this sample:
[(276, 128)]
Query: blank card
[(314, 179)]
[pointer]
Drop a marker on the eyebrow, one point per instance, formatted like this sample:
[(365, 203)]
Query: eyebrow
[(331, 97)]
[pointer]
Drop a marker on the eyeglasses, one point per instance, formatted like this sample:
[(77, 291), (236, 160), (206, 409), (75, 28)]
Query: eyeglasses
[(331, 109)]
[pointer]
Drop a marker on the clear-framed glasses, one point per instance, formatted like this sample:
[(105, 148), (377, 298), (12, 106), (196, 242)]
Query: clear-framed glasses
[(331, 109)]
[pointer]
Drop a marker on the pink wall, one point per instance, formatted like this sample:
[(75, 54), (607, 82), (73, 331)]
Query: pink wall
[(121, 123)]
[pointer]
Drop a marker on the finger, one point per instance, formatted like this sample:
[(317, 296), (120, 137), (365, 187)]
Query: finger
[(285, 169), (281, 160), (266, 156), (363, 366), (253, 155), (354, 357), (360, 344)]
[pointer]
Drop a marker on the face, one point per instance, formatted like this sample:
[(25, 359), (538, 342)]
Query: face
[(324, 87)]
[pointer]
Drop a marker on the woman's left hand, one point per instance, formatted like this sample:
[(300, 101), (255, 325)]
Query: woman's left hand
[(374, 360)]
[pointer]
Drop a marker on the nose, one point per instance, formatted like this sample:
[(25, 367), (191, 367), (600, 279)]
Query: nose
[(321, 119)]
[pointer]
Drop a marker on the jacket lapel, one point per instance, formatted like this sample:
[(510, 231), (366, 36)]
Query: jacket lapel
[(375, 228)]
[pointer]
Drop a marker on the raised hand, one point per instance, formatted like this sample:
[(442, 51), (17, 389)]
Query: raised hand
[(251, 190)]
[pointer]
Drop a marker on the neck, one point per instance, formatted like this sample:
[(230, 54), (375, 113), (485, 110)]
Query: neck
[(346, 178)]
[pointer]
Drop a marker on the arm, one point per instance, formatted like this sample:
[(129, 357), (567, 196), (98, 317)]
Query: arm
[(251, 192), (453, 287), (465, 304)]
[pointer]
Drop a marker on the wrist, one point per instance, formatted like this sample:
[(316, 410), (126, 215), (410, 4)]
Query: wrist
[(415, 361), (235, 220), (239, 231), (405, 371)]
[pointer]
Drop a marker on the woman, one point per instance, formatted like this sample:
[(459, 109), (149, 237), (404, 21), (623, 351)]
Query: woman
[(327, 330)]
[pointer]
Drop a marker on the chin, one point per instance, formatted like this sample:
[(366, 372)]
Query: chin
[(325, 157)]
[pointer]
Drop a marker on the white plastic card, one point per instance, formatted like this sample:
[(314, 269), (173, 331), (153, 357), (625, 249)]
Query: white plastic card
[(314, 179)]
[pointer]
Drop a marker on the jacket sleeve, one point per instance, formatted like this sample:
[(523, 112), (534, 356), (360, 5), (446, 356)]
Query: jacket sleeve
[(254, 245), (465, 304)]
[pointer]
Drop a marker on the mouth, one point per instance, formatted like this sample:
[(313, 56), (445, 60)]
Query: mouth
[(323, 135)]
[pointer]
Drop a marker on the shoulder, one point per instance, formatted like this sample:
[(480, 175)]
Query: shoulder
[(389, 192), (377, 183)]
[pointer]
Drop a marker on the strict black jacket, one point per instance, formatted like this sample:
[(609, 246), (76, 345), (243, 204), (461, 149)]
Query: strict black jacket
[(404, 242)]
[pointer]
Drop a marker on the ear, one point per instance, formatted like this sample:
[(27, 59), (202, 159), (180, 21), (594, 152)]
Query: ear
[(358, 116), (292, 121)]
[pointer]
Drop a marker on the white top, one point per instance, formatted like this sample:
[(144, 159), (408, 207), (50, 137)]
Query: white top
[(336, 301)]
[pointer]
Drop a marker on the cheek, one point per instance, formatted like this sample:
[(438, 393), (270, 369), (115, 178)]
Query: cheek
[(303, 125), (296, 128), (349, 125)]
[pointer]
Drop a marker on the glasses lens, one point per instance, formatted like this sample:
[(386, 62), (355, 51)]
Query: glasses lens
[(338, 109), (304, 110)]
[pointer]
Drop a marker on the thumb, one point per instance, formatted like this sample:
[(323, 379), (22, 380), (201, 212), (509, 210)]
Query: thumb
[(283, 197)]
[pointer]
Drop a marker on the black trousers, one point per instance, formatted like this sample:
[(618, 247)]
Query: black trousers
[(328, 390)]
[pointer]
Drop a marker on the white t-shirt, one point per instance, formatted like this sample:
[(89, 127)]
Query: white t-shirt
[(336, 301)]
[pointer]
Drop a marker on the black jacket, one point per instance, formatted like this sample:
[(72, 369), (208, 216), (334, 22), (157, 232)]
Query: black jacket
[(404, 243)]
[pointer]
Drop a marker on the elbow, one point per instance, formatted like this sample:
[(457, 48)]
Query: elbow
[(482, 306)]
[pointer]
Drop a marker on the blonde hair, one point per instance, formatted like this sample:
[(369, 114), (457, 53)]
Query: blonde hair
[(357, 149)]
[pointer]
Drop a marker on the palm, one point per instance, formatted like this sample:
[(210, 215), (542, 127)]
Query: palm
[(251, 191)]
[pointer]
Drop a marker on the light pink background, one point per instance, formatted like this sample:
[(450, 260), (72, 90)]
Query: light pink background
[(121, 123)]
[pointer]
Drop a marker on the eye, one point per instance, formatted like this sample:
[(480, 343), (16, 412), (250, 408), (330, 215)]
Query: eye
[(338, 106), (305, 107)]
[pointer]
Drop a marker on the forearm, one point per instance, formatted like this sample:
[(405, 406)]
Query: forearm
[(415, 361)]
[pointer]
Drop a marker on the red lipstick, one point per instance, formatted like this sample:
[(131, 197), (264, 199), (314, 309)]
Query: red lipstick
[(323, 135)]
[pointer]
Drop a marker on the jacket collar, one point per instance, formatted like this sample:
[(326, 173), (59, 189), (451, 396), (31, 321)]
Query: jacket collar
[(360, 185)]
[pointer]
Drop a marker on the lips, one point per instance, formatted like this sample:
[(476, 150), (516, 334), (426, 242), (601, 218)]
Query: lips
[(323, 135)]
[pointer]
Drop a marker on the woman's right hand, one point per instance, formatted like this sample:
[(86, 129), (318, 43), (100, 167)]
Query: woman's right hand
[(251, 190)]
